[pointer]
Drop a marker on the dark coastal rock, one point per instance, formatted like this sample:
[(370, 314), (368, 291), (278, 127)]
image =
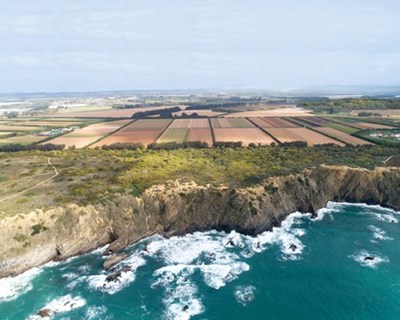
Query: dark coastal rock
[(115, 276), (45, 313), (293, 247), (369, 258)]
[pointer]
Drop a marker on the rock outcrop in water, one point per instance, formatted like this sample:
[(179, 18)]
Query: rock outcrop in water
[(29, 240)]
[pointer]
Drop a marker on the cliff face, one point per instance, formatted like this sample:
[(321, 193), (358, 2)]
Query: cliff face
[(29, 240)]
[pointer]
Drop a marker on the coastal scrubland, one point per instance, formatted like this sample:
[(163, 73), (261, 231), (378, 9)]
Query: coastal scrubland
[(90, 176)]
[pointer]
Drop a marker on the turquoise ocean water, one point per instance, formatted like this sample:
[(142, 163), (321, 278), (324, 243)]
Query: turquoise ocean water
[(345, 264)]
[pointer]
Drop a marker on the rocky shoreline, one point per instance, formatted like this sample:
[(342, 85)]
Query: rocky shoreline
[(32, 239)]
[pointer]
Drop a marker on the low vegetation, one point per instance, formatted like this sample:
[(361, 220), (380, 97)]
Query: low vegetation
[(347, 105), (93, 176)]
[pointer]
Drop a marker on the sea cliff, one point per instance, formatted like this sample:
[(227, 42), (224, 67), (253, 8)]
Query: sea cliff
[(31, 239)]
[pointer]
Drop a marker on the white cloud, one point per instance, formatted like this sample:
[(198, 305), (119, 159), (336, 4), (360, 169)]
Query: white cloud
[(198, 43)]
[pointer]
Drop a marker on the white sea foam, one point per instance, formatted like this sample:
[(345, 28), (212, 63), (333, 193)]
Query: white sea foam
[(95, 313), (379, 234), (384, 214), (181, 302), (362, 205), (244, 294), (60, 305), (331, 207), (285, 236), (12, 287), (368, 259), (127, 274), (70, 275)]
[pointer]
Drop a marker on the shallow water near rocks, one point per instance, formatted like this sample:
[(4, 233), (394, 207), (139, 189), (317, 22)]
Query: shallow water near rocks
[(345, 264)]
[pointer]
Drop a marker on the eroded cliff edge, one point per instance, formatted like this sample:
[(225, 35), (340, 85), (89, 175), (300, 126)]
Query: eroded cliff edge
[(29, 240)]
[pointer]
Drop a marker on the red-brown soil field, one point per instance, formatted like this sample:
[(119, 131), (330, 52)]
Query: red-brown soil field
[(300, 134), (343, 136), (245, 135), (313, 121), (141, 131), (200, 134), (231, 123), (273, 122), (190, 123), (82, 137)]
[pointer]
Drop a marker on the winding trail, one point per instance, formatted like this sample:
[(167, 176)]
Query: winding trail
[(56, 173)]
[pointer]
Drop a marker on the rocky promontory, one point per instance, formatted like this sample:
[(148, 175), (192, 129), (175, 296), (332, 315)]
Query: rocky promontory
[(31, 239)]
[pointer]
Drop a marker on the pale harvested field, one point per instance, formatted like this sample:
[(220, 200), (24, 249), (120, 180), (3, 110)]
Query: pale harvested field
[(231, 123), (28, 139), (82, 137), (279, 112), (200, 134), (47, 123), (180, 124), (204, 113), (272, 122), (245, 135), (365, 125), (141, 131), (18, 128), (113, 113), (343, 136), (4, 133), (149, 124), (146, 136), (190, 123), (300, 134)]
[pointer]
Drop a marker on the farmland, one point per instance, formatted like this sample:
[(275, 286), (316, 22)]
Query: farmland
[(140, 131), (20, 128), (273, 122), (301, 134), (183, 130), (342, 136), (277, 112), (111, 113), (24, 140), (231, 123), (82, 137), (244, 135), (361, 125), (163, 130), (46, 123)]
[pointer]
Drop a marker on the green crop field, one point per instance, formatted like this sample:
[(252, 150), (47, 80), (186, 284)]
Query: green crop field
[(341, 127), (174, 135)]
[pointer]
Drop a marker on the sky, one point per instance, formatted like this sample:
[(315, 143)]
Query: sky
[(94, 45)]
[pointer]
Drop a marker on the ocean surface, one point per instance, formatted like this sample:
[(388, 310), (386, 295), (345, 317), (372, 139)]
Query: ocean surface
[(344, 264)]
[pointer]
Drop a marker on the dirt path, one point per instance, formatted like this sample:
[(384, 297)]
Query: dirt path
[(36, 185), (385, 161)]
